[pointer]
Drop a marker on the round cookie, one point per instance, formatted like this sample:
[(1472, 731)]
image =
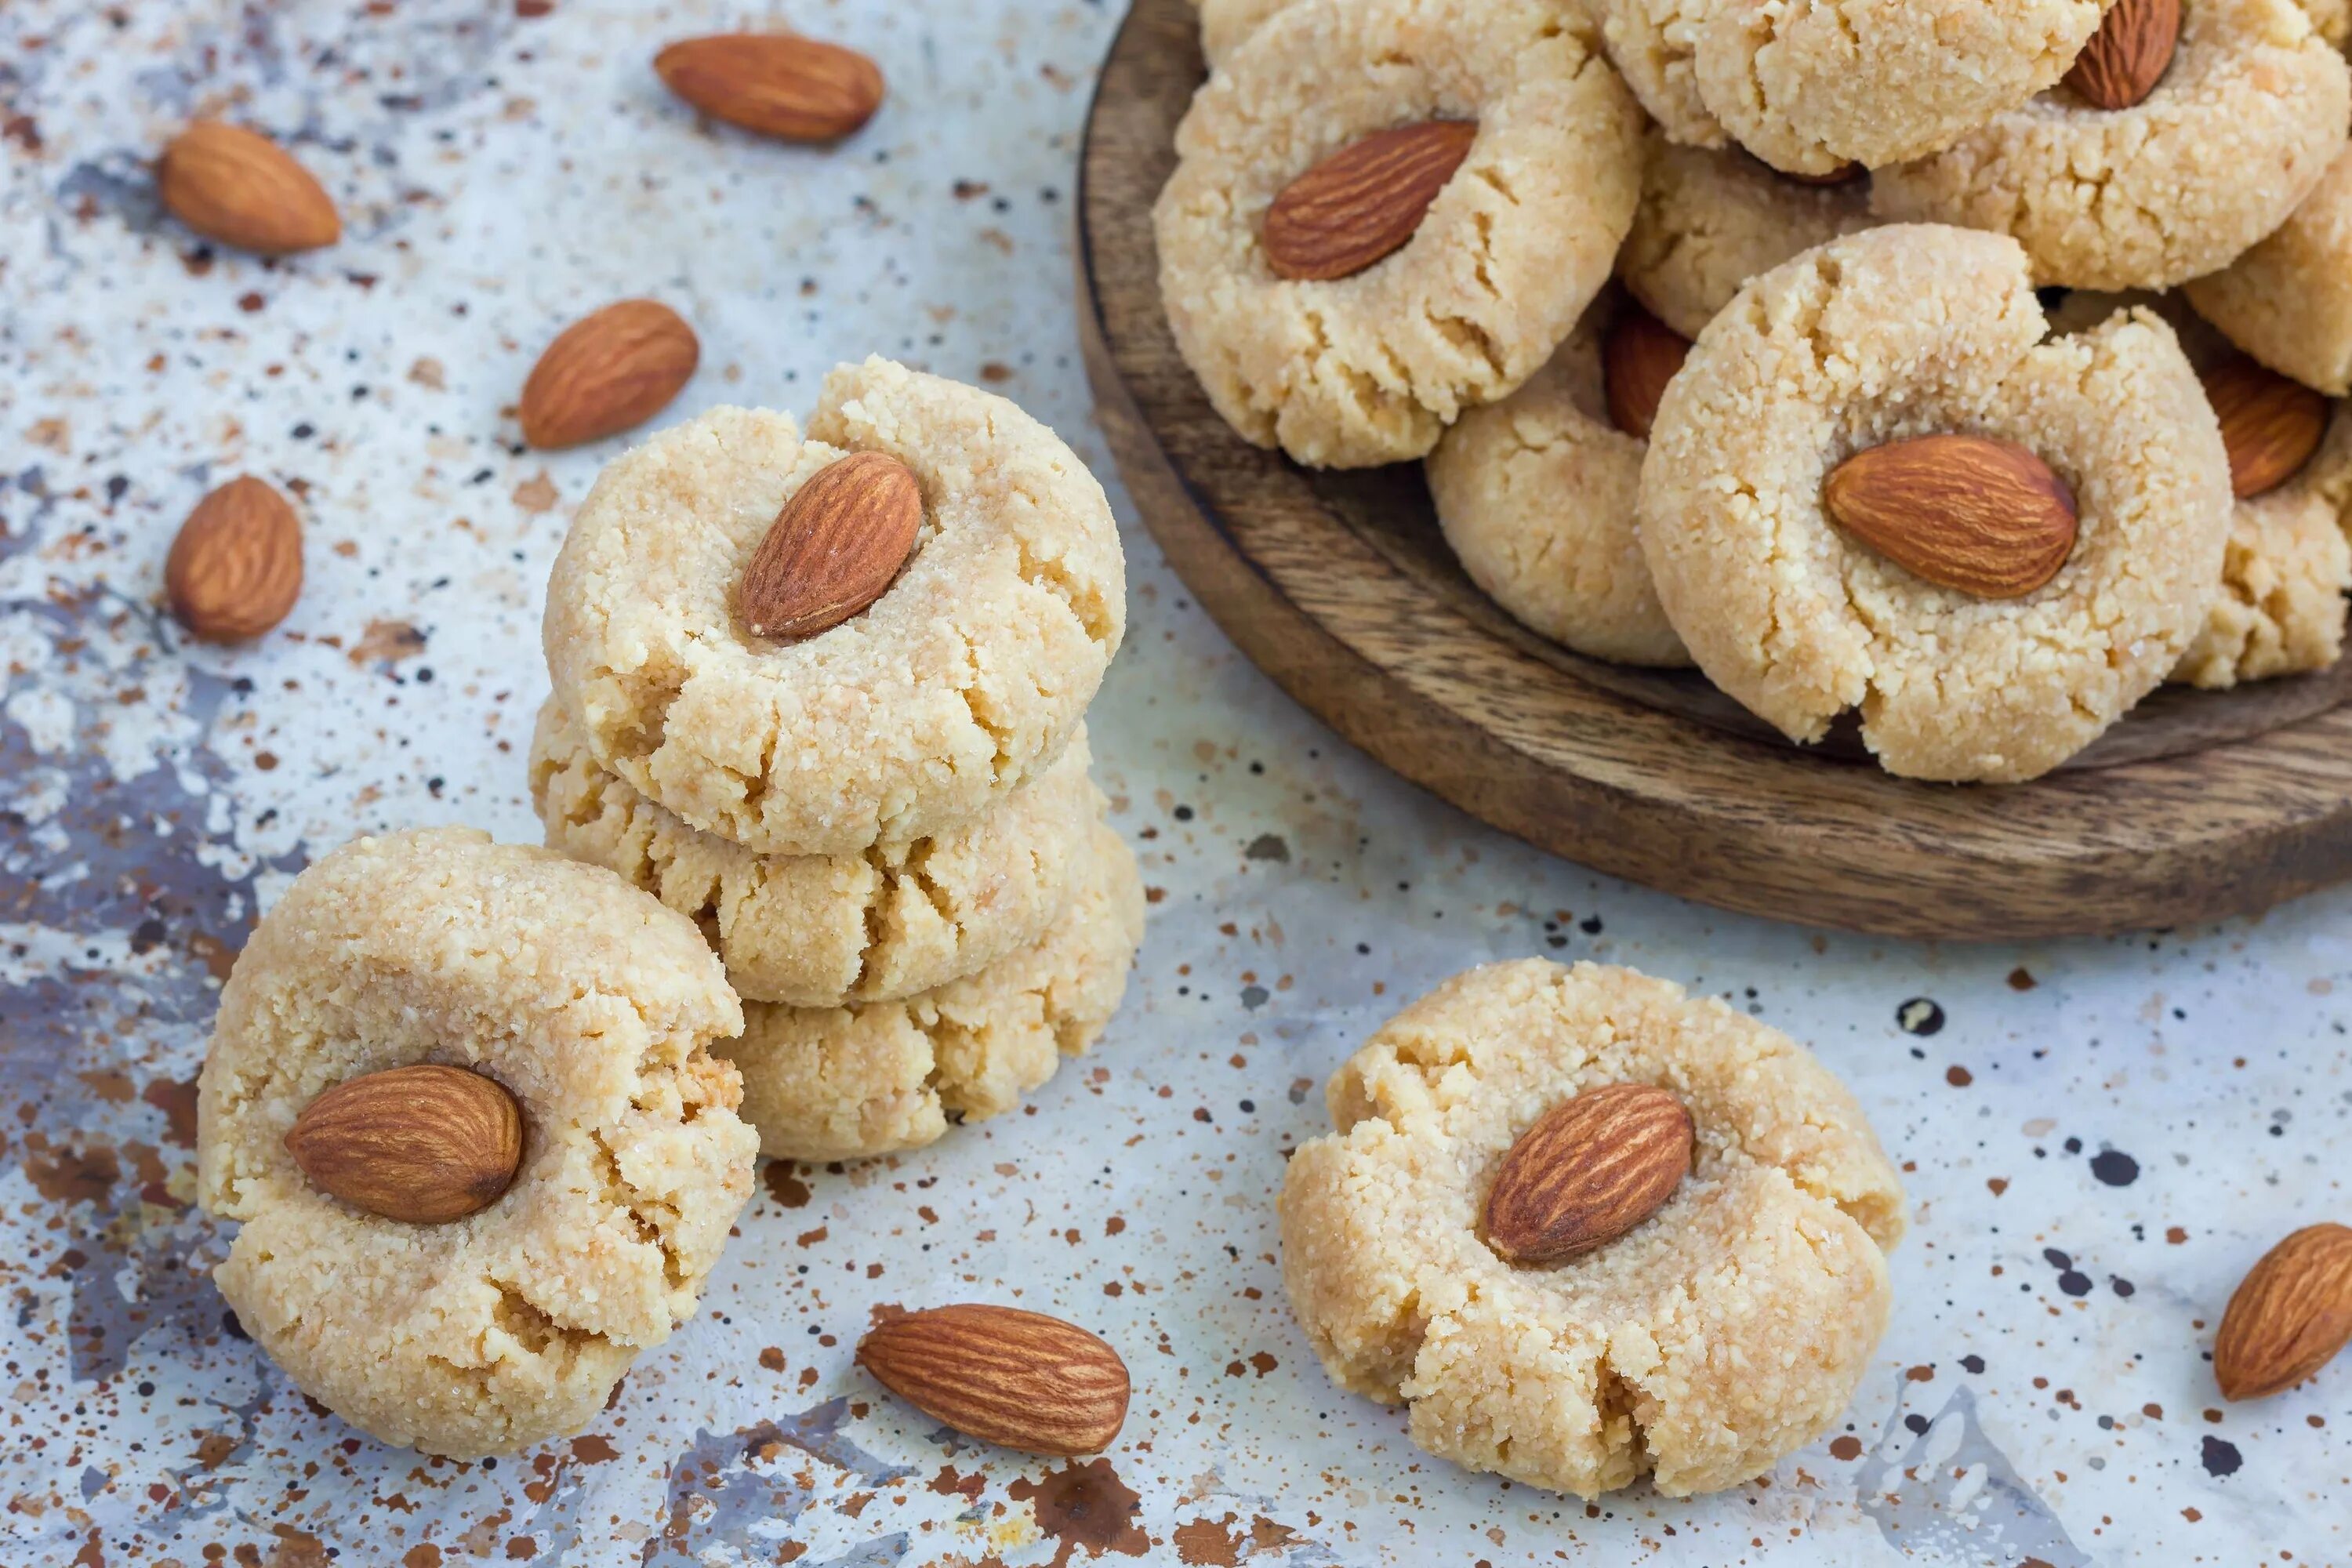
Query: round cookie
[(2288, 301), (1910, 330), (817, 931), (2251, 112), (841, 1083), (1711, 220), (1371, 368), (960, 682), (1727, 1330), (587, 1000), (1536, 496)]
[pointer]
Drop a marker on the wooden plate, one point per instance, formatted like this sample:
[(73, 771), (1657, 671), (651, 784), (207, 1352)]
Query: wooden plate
[(2198, 806)]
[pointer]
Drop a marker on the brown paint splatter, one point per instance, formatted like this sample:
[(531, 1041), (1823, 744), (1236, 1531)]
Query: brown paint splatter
[(593, 1449), (70, 1175), (2022, 979), (112, 1086), (214, 1449), (537, 494), (1959, 1077), (1920, 1374), (1085, 1505), (176, 1099), (1204, 1541), (948, 1483), (425, 1556), (1264, 1362), (217, 957), (789, 1191), (1846, 1447), (387, 642), (1265, 1535), (296, 1549), (428, 373), (771, 1358)]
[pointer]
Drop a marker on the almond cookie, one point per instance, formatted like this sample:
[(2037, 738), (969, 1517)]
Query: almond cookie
[(2241, 128), (840, 1083), (962, 680), (1727, 1329), (817, 931), (1811, 88), (1913, 331), (593, 1006), (1536, 496), (2288, 302), (1711, 220), (1370, 367)]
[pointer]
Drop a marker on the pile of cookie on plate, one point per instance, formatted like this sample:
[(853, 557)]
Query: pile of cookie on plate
[(1967, 365)]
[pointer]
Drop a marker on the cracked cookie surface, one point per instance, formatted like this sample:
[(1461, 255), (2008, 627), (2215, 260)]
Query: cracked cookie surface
[(1908, 331), (816, 930), (1725, 1331), (1536, 496), (594, 1006), (962, 680), (2251, 112), (841, 1083), (1371, 368)]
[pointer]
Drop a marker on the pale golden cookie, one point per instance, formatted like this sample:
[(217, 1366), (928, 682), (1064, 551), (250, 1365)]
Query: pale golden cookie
[(1226, 23), (2288, 302), (816, 930), (840, 1083), (1727, 1330), (2241, 128), (958, 684), (1909, 331), (594, 1006), (1711, 220), (1371, 368), (1536, 496)]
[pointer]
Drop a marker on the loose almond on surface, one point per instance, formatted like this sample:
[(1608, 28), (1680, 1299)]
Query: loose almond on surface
[(1363, 201), (2128, 55), (778, 84), (607, 373), (1969, 512), (1021, 1380), (239, 187), (2270, 425), (2290, 1316), (425, 1143), (834, 549), (1638, 357), (235, 567), (1589, 1172)]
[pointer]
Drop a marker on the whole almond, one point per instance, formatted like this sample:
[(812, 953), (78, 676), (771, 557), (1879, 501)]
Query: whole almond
[(1638, 357), (1020, 1380), (1969, 512), (424, 1143), (1588, 1171), (832, 550), (607, 373), (2290, 1314), (1363, 201), (235, 567), (239, 187), (2128, 55), (2270, 425), (778, 84)]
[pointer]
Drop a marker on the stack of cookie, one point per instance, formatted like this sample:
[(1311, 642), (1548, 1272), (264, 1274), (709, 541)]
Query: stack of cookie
[(824, 695), (1603, 265)]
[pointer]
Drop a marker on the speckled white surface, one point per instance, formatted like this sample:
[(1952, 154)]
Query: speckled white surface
[(2099, 1137)]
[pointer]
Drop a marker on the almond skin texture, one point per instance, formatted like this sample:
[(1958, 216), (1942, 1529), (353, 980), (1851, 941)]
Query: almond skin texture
[(1985, 517), (1363, 201), (777, 84), (608, 373), (2291, 1315), (1587, 1173), (423, 1144), (832, 550), (1638, 357), (235, 567), (2270, 425), (2128, 55), (1020, 1380), (240, 188)]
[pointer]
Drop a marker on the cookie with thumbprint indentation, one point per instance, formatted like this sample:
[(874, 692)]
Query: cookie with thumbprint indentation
[(590, 1007), (817, 931), (2076, 600), (961, 681), (841, 1083), (2237, 132), (1472, 291), (1723, 1330)]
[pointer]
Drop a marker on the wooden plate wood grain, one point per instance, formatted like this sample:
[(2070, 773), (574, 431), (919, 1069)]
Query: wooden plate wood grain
[(2198, 806)]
